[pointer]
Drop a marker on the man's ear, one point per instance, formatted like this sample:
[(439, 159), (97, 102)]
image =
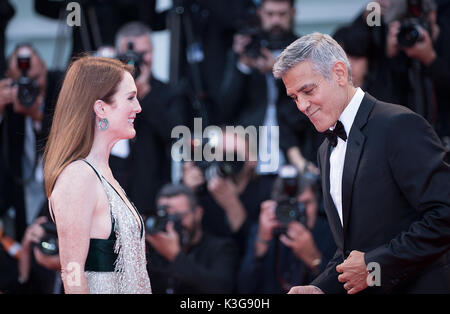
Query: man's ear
[(99, 108), (340, 73)]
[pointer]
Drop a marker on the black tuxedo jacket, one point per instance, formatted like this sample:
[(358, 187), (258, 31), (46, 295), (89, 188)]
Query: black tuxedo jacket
[(395, 201)]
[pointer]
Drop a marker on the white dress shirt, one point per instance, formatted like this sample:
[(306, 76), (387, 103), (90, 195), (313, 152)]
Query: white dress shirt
[(337, 156)]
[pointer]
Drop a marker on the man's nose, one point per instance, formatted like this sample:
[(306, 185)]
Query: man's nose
[(303, 105)]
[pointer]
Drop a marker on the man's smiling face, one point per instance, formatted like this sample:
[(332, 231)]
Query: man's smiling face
[(322, 100)]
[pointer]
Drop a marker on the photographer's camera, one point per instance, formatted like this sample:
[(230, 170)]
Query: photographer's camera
[(28, 88)]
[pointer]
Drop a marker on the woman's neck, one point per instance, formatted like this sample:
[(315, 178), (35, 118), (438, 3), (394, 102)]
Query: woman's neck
[(99, 154)]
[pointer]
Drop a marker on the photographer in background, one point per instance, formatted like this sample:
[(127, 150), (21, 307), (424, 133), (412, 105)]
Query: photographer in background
[(92, 33), (229, 191), (39, 264), (143, 164), (27, 99), (419, 55), (412, 55), (292, 243), (183, 258), (257, 98), (6, 13)]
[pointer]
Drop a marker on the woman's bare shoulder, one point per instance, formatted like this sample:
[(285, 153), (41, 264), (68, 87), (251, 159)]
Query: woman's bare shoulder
[(76, 179)]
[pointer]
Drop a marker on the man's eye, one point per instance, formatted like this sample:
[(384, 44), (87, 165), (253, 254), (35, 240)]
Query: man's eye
[(308, 92)]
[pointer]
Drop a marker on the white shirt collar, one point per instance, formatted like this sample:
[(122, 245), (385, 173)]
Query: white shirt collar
[(348, 115)]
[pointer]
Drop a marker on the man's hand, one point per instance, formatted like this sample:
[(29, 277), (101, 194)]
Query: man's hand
[(267, 223), (49, 262), (34, 233), (305, 290), (391, 41), (34, 111), (422, 50), (224, 191), (192, 175), (226, 194), (300, 240), (354, 273), (143, 81), (240, 41), (6, 93), (167, 243), (267, 220), (265, 63)]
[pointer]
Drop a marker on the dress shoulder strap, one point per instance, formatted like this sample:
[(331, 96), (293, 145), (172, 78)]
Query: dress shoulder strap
[(93, 168), (101, 181), (52, 215)]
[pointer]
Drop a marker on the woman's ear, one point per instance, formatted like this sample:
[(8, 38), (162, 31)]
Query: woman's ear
[(99, 108)]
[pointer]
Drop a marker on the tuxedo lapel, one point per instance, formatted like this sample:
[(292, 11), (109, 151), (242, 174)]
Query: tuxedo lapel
[(355, 146), (333, 216)]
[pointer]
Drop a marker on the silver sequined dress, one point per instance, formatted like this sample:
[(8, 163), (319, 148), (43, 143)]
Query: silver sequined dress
[(130, 272)]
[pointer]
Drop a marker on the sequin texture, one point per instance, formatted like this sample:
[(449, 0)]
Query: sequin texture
[(130, 273)]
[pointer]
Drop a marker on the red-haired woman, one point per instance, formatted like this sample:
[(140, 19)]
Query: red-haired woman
[(101, 234)]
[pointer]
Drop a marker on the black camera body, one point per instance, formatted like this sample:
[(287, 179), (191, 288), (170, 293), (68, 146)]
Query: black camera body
[(28, 89), (132, 58), (223, 169), (157, 223), (409, 33), (260, 39), (288, 208), (49, 242)]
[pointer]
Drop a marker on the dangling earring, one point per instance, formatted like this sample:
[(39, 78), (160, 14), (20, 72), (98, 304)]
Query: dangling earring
[(103, 124)]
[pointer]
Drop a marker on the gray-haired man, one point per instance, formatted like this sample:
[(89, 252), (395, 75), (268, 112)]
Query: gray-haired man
[(386, 185)]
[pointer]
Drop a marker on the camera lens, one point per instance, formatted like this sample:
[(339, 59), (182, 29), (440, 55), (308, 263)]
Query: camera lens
[(49, 245), (157, 223), (408, 35), (28, 91)]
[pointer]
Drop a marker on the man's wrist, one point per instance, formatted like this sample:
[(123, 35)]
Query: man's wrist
[(242, 67), (429, 58), (261, 240), (173, 255)]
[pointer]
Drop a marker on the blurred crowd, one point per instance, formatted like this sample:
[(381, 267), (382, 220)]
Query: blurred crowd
[(219, 227)]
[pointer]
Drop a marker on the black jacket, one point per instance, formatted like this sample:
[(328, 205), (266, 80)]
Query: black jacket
[(12, 132), (395, 201), (208, 267), (6, 13)]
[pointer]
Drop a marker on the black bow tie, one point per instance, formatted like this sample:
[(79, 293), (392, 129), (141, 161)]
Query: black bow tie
[(338, 131)]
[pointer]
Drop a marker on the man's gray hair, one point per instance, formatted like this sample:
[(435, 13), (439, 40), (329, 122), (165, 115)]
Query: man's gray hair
[(320, 49), (132, 29)]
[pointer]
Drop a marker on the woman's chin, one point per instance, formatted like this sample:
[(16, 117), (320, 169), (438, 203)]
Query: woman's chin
[(131, 134)]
